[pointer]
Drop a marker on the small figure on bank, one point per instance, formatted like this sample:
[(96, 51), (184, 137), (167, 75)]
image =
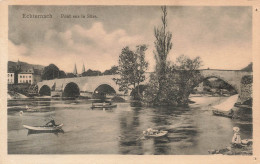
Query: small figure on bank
[(51, 123), (236, 140)]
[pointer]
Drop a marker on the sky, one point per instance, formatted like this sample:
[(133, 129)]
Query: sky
[(220, 35)]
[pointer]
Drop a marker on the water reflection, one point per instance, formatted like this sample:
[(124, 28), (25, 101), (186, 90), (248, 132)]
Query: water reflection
[(30, 132), (129, 132), (178, 123)]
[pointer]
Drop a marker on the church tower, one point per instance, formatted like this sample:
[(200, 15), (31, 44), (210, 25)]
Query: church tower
[(75, 72), (83, 68)]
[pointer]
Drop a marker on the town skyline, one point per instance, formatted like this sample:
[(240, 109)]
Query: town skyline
[(216, 34)]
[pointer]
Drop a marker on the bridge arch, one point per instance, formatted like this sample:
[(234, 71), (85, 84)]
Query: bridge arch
[(204, 78), (71, 89), (103, 91), (45, 90)]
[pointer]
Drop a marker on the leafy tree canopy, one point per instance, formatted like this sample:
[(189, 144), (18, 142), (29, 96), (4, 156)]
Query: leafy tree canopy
[(91, 72), (112, 71), (52, 72), (132, 66)]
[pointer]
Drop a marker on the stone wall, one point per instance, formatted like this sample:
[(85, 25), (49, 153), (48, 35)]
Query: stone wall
[(246, 88)]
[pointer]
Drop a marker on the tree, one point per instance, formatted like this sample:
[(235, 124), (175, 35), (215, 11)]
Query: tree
[(112, 71), (163, 46), (91, 72), (248, 68), (62, 74), (181, 78), (171, 84), (52, 72), (71, 75), (187, 77), (131, 69)]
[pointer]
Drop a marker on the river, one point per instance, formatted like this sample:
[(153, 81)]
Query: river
[(191, 131)]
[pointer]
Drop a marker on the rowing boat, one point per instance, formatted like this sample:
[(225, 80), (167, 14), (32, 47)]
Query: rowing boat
[(223, 114), (44, 128), (158, 134), (103, 105)]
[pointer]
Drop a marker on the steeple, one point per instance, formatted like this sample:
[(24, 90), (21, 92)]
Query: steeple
[(18, 66), (83, 68), (75, 72)]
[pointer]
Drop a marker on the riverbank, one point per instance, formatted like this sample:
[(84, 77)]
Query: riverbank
[(230, 150), (15, 95), (242, 114)]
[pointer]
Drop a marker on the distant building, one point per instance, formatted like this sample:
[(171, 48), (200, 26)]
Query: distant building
[(17, 75), (10, 77), (31, 76), (24, 77)]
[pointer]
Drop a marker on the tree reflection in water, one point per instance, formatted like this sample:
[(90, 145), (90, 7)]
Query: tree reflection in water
[(30, 132), (129, 124)]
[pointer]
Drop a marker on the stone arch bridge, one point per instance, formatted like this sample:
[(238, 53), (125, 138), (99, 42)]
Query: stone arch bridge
[(87, 86)]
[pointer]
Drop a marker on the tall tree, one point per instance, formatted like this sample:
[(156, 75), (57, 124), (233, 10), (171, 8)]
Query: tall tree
[(131, 69), (163, 46)]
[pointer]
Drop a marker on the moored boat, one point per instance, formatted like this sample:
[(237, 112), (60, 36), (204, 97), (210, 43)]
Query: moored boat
[(222, 113), (103, 105)]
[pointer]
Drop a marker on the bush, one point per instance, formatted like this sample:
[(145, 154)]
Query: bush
[(247, 79)]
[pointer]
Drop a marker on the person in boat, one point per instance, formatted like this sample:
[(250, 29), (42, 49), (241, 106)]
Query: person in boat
[(51, 123), (236, 140), (150, 131)]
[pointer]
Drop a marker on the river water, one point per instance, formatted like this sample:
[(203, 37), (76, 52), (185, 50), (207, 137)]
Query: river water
[(192, 130)]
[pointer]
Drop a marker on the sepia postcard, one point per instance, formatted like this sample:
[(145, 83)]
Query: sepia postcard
[(129, 82)]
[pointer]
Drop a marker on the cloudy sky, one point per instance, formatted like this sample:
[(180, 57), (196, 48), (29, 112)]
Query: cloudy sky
[(221, 36)]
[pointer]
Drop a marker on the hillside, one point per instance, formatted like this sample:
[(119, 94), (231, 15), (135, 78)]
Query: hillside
[(248, 68), (25, 66)]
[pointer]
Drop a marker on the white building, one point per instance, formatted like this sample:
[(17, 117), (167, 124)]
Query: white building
[(10, 78), (25, 77), (30, 76)]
